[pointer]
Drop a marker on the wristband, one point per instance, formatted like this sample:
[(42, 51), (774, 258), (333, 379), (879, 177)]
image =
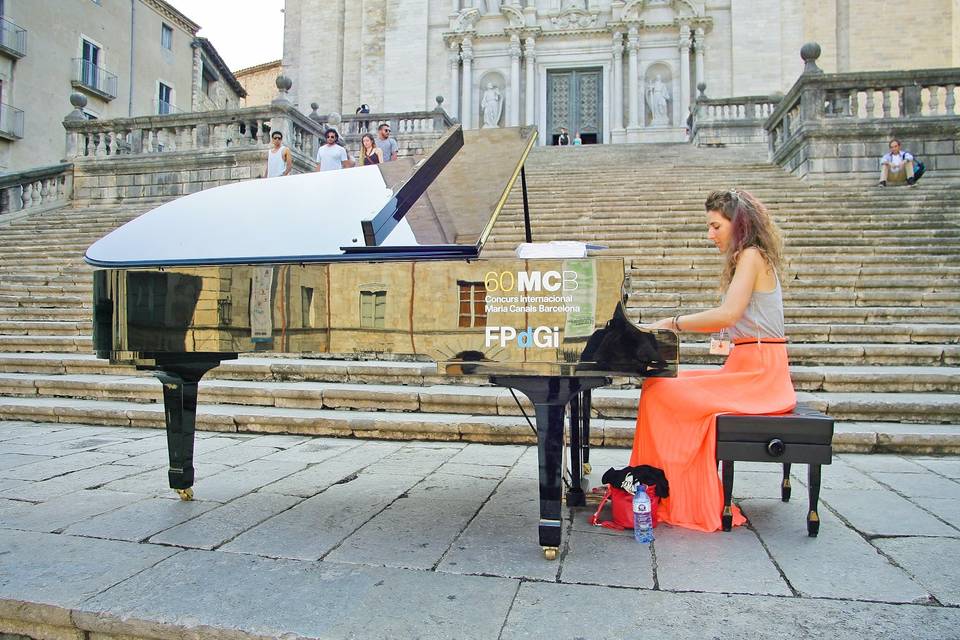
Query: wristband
[(676, 323)]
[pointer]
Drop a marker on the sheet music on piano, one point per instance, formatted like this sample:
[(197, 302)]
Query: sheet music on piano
[(379, 261)]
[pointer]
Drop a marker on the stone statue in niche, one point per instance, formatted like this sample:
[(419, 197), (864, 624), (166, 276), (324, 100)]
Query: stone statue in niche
[(487, 6), (658, 98), (491, 104)]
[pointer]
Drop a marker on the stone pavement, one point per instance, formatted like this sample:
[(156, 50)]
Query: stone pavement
[(299, 537)]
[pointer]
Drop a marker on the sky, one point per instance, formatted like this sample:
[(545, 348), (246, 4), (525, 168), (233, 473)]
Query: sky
[(245, 32)]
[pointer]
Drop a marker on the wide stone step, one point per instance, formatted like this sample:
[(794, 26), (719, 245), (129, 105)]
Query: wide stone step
[(694, 352), (44, 328), (47, 301), (499, 428), (800, 286), (41, 291), (411, 375), (825, 315), (45, 314), (801, 298)]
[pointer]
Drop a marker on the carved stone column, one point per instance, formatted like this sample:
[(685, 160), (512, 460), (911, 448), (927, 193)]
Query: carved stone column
[(454, 58), (617, 52), (530, 54), (514, 115), (466, 105), (700, 51), (633, 44), (684, 75)]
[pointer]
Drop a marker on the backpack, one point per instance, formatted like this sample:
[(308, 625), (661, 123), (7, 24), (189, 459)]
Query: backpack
[(918, 168)]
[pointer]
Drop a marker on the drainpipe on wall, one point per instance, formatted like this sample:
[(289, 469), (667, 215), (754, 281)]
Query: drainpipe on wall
[(133, 10)]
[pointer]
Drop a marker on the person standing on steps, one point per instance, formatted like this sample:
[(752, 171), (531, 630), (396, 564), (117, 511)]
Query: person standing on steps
[(677, 417), (387, 145), (279, 160), (370, 153), (332, 156)]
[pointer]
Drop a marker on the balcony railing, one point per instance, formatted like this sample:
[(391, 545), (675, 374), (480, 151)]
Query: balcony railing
[(13, 39), (11, 122), (164, 108), (94, 79)]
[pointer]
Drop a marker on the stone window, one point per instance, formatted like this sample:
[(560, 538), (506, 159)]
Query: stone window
[(166, 37), (473, 310), (164, 99), (373, 305), (208, 78)]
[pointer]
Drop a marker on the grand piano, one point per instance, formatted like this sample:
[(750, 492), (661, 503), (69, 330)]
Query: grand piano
[(375, 261)]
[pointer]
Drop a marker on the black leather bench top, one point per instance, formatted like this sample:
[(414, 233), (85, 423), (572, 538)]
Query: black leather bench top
[(801, 426)]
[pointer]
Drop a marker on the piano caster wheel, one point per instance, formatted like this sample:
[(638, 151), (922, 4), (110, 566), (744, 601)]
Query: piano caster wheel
[(550, 553), (185, 494), (785, 491), (813, 524), (587, 468)]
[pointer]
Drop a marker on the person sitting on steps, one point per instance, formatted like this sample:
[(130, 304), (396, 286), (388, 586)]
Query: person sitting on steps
[(896, 166)]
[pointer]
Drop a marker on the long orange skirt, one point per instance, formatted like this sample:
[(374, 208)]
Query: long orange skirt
[(677, 422)]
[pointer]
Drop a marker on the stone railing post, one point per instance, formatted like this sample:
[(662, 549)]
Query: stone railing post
[(74, 140), (812, 98), (279, 119)]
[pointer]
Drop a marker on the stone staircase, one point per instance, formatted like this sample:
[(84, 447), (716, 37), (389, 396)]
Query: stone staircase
[(872, 288)]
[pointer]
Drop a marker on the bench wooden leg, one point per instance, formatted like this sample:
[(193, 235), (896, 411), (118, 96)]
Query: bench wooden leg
[(726, 517), (813, 518), (785, 485)]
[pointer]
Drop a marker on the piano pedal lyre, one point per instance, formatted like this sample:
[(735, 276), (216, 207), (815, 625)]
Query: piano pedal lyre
[(550, 553), (185, 494)]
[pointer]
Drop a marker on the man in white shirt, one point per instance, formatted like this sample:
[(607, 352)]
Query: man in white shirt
[(331, 155), (896, 166)]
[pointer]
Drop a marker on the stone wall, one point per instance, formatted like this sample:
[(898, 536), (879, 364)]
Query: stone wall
[(40, 82), (842, 154), (259, 82), (835, 127)]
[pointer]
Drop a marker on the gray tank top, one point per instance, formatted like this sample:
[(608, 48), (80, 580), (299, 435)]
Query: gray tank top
[(763, 317)]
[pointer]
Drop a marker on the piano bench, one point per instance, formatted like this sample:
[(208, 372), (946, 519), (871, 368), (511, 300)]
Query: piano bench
[(803, 436)]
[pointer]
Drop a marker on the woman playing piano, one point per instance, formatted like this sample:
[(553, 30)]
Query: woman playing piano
[(676, 420)]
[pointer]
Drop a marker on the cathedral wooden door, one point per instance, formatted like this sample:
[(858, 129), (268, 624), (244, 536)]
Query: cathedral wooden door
[(575, 101)]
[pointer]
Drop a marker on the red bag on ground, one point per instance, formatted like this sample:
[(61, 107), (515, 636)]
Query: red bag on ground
[(621, 508)]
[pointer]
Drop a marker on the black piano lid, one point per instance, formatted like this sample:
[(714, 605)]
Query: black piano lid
[(442, 208)]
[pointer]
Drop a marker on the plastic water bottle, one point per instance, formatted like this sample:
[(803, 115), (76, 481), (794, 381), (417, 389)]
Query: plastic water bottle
[(642, 518)]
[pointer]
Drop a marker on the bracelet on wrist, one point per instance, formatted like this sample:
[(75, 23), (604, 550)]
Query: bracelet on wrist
[(676, 323)]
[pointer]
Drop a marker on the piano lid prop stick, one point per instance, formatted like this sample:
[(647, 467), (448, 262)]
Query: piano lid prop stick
[(526, 205)]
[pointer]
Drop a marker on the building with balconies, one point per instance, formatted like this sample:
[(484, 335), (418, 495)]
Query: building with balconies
[(131, 58)]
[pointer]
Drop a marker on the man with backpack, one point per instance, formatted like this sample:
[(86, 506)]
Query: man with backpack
[(898, 166)]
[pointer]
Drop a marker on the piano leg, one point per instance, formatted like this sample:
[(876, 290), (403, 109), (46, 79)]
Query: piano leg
[(587, 396), (550, 396), (575, 495), (180, 384)]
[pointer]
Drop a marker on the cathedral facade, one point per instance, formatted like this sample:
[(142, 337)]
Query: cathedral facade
[(608, 70)]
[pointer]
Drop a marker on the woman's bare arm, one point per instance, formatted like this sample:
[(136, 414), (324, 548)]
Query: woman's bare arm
[(750, 266)]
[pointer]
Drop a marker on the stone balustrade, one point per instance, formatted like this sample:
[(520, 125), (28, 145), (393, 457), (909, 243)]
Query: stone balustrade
[(415, 131), (731, 121), (165, 156), (233, 129), (837, 126), (35, 190)]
